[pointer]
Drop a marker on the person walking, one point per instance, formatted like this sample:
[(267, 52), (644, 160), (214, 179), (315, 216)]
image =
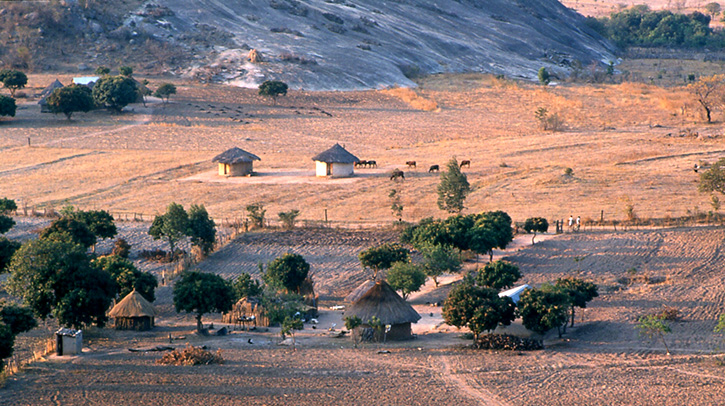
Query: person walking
[(571, 222), (578, 223)]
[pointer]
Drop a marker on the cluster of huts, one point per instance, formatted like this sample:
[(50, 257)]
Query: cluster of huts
[(335, 162)]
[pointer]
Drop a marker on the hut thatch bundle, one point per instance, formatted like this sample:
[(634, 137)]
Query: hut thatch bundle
[(336, 155), (383, 302), (359, 291), (133, 312)]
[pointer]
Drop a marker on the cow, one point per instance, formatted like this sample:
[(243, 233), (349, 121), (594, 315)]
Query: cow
[(411, 164), (397, 173), (361, 164), (434, 168), (372, 164), (466, 162)]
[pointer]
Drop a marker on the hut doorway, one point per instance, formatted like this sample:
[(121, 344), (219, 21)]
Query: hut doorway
[(329, 169)]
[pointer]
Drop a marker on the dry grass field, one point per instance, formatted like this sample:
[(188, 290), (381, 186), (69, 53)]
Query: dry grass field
[(626, 144), (602, 8)]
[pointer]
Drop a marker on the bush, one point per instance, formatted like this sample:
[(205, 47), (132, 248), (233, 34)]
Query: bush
[(288, 218), (256, 212), (507, 342), (121, 248), (668, 313), (7, 106), (191, 356)]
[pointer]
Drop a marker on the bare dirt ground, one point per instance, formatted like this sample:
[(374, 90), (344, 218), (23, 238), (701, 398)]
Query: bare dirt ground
[(601, 361)]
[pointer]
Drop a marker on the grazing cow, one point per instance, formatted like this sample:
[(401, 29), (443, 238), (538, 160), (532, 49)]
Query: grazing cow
[(466, 162), (372, 164), (434, 168), (411, 164), (397, 173), (361, 164)]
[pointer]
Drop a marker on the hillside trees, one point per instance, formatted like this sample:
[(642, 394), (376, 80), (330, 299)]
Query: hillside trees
[(7, 106), (55, 277), (541, 310), (202, 229), (70, 99), (164, 91), (453, 189), (201, 293), (439, 259), (708, 92), (13, 80), (580, 292), (383, 257), (7, 249), (654, 326), (246, 286), (115, 92), (405, 277), (478, 308), (70, 230), (171, 226), (287, 271), (536, 224), (273, 89), (14, 320), (713, 9), (543, 75)]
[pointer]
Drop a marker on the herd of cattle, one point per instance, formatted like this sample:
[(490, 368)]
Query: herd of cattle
[(397, 173)]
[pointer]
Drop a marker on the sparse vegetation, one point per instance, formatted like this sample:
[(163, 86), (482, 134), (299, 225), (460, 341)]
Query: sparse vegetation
[(654, 326), (256, 212), (273, 89), (165, 91), (289, 218)]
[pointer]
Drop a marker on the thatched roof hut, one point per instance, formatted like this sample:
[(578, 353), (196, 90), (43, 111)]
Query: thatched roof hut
[(247, 312), (133, 312), (335, 162), (359, 291), (383, 302), (235, 162), (47, 92)]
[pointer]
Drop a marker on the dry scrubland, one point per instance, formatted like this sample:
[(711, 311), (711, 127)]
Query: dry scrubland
[(603, 8), (622, 142), (601, 361)]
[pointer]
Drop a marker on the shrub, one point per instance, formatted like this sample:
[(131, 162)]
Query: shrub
[(191, 356), (256, 212), (508, 342), (289, 218), (121, 248)]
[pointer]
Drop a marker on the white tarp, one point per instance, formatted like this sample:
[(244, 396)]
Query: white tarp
[(514, 293)]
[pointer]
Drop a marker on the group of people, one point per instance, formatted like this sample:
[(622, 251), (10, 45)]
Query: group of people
[(574, 224)]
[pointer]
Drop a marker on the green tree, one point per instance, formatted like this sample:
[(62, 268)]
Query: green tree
[(491, 230), (256, 212), (288, 218), (201, 229), (7, 206), (69, 230), (102, 71), (14, 320), (498, 275), (13, 80), (127, 277), (273, 89), (405, 277), (164, 91), (171, 226), (580, 292), (351, 323), (478, 308), (246, 286), (395, 205), (7, 106), (100, 222), (289, 325), (69, 99), (383, 257), (115, 92), (201, 293), (713, 179), (453, 189), (654, 326), (57, 278), (543, 310), (126, 71), (287, 271), (713, 9), (438, 260), (544, 77), (7, 249), (536, 224), (6, 222)]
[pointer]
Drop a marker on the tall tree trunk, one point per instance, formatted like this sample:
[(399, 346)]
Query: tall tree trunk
[(199, 326), (572, 316)]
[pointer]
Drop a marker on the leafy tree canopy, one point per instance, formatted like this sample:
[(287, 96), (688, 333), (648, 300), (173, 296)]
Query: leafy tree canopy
[(405, 277), (55, 277), (287, 271), (14, 320), (7, 249), (171, 226), (713, 179), (580, 292), (13, 80), (536, 225), (246, 286), (453, 189), (273, 89), (127, 277), (478, 308), (115, 92), (542, 310), (201, 293), (69, 230), (498, 275), (201, 229), (165, 91), (440, 259), (7, 106), (383, 256), (70, 99)]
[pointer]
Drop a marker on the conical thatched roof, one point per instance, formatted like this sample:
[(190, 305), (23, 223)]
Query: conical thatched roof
[(359, 291), (384, 303), (49, 89), (133, 305), (234, 156), (336, 155)]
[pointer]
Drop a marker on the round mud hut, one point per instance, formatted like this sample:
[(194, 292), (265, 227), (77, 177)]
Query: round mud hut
[(133, 312), (383, 302), (335, 162), (235, 162), (359, 291)]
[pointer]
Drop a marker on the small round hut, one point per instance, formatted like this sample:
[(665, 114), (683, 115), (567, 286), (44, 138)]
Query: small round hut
[(133, 312), (335, 162), (383, 302), (359, 291), (235, 162)]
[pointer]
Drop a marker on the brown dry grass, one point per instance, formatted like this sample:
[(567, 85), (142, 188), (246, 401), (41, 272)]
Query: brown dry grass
[(616, 140), (411, 97)]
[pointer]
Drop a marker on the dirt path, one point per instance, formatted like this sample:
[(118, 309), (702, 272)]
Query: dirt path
[(487, 398)]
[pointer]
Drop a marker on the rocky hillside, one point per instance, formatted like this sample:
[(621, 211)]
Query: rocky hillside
[(342, 44)]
